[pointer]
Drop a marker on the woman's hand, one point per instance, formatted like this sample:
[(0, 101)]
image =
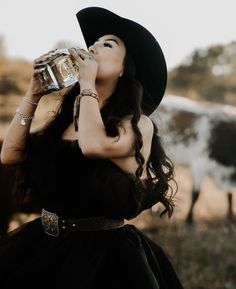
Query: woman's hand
[(87, 66), (36, 88)]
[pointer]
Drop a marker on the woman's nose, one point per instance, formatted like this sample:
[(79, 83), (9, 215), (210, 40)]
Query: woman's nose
[(92, 49)]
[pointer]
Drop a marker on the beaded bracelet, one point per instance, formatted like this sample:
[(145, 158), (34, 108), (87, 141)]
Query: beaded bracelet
[(88, 92), (31, 102), (84, 92), (24, 118)]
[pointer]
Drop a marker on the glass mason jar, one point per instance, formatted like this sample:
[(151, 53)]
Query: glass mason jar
[(59, 71)]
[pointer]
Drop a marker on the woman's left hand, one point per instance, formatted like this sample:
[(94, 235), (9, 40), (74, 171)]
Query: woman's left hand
[(87, 66)]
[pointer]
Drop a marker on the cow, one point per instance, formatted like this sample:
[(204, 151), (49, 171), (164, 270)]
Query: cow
[(202, 136)]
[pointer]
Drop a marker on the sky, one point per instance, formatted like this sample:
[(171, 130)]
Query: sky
[(31, 28)]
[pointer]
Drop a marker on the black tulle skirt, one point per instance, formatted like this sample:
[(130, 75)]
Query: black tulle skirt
[(114, 259)]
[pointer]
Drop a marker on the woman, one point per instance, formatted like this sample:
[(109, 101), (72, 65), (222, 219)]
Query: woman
[(97, 162)]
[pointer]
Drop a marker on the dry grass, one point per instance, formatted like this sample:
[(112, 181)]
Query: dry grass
[(203, 255)]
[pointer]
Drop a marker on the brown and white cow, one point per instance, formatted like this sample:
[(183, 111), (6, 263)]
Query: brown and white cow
[(203, 137)]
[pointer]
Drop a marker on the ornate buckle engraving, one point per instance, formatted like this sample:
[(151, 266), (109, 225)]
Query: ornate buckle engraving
[(50, 223)]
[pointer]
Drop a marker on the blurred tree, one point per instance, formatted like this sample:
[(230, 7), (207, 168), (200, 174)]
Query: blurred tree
[(207, 74), (8, 85)]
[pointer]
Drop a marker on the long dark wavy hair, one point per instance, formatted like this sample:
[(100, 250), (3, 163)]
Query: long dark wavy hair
[(126, 100)]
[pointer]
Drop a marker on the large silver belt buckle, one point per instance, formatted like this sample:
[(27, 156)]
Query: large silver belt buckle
[(50, 223)]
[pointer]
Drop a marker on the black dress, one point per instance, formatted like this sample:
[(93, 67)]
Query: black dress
[(74, 186)]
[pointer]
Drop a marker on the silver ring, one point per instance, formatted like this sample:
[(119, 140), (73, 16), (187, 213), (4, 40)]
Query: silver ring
[(74, 48), (41, 78), (38, 65)]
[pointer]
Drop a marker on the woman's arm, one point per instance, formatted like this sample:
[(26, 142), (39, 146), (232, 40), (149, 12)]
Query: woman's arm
[(14, 143), (15, 139), (93, 139)]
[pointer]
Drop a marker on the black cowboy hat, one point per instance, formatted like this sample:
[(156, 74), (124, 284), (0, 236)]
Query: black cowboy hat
[(151, 70)]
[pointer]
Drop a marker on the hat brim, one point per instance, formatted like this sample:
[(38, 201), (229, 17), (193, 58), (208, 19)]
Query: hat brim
[(140, 43)]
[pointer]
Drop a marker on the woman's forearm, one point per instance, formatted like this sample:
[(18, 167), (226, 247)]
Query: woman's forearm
[(13, 149), (15, 138), (92, 131)]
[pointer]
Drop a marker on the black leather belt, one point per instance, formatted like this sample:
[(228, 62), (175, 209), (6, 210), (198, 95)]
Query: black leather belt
[(53, 224)]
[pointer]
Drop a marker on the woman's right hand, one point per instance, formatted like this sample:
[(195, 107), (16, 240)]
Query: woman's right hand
[(36, 89)]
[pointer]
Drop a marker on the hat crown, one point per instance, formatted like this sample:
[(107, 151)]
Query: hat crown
[(141, 45)]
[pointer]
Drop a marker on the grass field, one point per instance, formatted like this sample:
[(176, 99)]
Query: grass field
[(204, 254)]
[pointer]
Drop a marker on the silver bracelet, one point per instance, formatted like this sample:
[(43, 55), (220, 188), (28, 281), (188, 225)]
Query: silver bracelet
[(24, 118), (31, 102)]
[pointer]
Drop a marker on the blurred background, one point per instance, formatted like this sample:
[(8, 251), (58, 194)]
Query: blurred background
[(197, 118)]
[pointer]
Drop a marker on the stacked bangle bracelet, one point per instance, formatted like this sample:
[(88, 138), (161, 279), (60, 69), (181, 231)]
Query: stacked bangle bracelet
[(24, 118), (88, 92)]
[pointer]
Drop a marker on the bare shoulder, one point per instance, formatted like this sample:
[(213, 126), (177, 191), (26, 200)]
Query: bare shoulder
[(145, 124), (128, 162), (146, 127)]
